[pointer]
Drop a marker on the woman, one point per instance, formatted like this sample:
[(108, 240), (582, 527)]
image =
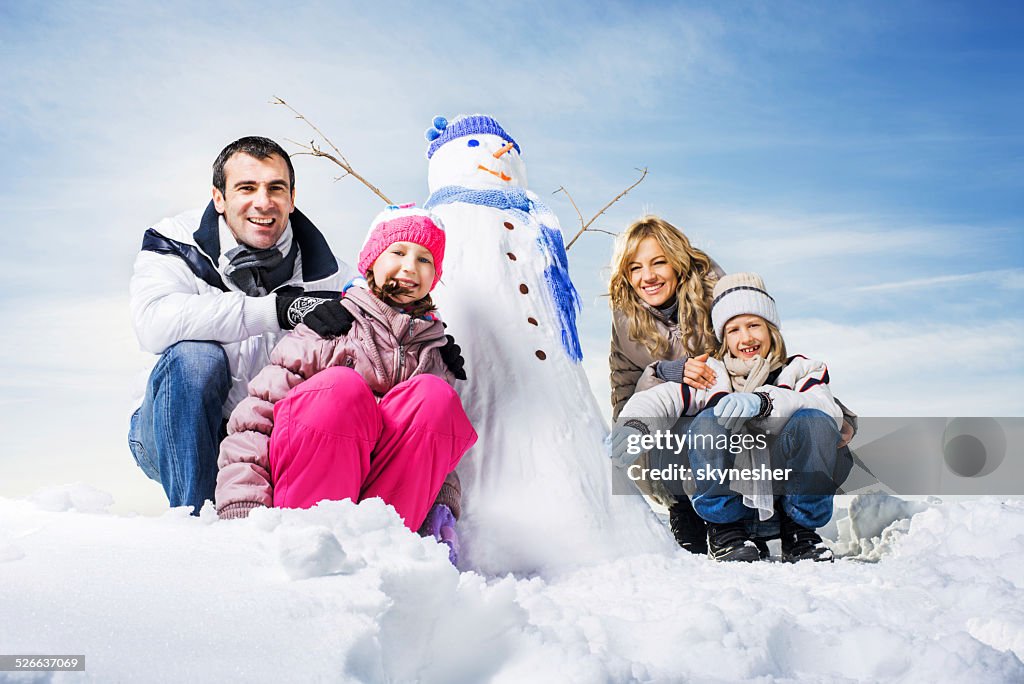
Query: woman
[(660, 293)]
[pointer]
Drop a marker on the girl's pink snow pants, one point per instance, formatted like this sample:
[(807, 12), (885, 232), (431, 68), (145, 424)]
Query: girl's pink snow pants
[(332, 440)]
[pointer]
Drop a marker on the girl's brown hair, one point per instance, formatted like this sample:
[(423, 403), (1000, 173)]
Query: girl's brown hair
[(389, 291)]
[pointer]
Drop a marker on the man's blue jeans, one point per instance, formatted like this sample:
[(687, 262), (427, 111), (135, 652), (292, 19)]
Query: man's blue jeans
[(807, 444), (175, 435)]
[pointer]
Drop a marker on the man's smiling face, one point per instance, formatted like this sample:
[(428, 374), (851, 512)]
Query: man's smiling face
[(257, 199)]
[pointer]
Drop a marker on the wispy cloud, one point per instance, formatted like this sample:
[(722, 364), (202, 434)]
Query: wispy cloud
[(918, 368), (789, 236), (1011, 279)]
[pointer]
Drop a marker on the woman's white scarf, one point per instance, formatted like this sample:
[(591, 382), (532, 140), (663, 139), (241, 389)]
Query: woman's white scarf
[(747, 376)]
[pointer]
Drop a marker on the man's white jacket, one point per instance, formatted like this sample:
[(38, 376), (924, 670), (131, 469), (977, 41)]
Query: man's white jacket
[(179, 292)]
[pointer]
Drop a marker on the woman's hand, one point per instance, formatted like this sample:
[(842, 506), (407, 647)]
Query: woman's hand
[(698, 374)]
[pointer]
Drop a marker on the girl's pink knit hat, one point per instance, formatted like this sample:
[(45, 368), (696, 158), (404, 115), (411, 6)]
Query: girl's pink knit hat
[(404, 223)]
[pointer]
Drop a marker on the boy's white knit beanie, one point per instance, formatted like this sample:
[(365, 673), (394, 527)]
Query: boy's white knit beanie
[(741, 293)]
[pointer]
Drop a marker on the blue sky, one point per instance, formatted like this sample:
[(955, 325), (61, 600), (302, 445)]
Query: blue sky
[(866, 158)]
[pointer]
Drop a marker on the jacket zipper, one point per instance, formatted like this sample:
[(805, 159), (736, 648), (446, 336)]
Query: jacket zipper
[(399, 364)]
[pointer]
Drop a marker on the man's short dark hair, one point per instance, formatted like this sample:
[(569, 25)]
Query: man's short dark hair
[(254, 146)]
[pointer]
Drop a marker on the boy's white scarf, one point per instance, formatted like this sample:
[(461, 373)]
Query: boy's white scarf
[(746, 376)]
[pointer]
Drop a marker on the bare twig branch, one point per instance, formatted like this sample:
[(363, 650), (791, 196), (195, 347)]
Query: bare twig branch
[(586, 226), (314, 150), (279, 101), (572, 201)]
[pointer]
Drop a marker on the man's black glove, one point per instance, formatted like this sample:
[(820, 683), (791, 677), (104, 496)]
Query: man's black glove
[(451, 354), (326, 317)]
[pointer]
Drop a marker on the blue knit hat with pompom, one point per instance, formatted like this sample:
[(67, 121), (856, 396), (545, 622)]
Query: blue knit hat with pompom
[(442, 131)]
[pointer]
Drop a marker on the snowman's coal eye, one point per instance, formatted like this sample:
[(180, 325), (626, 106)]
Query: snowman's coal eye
[(473, 142)]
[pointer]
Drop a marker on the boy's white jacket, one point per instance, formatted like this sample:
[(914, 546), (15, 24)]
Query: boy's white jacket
[(802, 383), (169, 303)]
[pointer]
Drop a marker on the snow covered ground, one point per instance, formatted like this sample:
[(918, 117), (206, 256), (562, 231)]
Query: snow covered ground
[(343, 593)]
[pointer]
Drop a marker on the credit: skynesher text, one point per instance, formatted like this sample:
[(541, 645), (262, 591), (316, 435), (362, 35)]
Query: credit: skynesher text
[(665, 440), (680, 473)]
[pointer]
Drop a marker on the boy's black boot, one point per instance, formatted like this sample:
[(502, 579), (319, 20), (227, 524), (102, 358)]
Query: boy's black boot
[(689, 529), (729, 542), (801, 543)]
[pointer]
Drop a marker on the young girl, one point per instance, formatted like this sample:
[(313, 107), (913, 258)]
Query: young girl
[(794, 423), (368, 414)]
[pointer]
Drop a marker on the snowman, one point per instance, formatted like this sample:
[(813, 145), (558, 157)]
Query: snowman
[(537, 485)]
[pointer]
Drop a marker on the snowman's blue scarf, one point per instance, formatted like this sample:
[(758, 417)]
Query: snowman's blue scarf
[(567, 299), (515, 200)]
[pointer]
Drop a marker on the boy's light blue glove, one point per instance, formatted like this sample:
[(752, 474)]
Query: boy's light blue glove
[(622, 436), (735, 409)]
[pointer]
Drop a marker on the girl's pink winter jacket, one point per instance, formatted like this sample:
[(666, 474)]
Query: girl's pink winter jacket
[(384, 346)]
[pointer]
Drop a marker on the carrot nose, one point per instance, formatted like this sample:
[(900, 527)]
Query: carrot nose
[(503, 150)]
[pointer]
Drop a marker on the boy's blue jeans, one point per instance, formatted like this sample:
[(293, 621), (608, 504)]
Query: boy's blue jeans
[(175, 435), (807, 444)]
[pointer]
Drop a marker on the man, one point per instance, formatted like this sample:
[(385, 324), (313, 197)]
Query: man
[(211, 294)]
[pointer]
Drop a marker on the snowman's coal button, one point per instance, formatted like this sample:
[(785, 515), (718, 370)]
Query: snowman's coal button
[(509, 225), (533, 321), (541, 355), (511, 256), (524, 289)]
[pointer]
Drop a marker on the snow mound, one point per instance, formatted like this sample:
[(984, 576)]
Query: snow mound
[(312, 552), (1003, 633), (345, 593), (873, 522), (73, 497)]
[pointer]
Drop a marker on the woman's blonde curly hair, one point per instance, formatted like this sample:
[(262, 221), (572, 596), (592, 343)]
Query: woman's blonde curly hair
[(696, 279)]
